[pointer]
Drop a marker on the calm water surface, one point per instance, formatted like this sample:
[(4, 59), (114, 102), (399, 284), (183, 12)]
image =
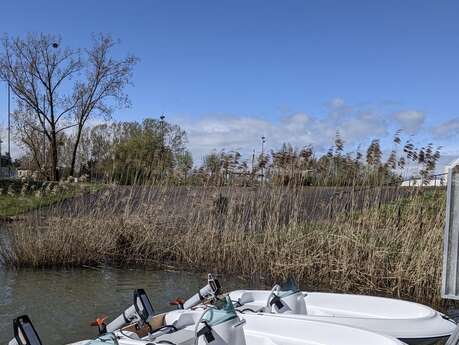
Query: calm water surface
[(63, 303)]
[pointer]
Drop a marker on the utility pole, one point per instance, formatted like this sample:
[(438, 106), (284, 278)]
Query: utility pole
[(9, 121), (44, 138), (263, 141), (162, 117)]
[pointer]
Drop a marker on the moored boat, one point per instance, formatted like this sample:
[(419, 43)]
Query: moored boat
[(220, 324), (216, 324), (412, 323)]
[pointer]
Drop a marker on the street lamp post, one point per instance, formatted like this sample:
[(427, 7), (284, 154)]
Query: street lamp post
[(263, 141), (162, 117), (44, 138), (9, 121), (9, 117), (7, 154)]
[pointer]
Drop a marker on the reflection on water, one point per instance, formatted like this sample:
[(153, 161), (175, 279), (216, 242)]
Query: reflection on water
[(63, 303)]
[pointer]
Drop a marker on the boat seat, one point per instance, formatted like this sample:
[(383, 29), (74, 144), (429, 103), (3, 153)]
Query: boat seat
[(184, 320), (181, 337), (245, 298), (157, 321), (255, 307)]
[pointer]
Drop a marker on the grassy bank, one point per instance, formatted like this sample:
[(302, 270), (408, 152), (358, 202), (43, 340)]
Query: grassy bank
[(17, 197), (385, 241)]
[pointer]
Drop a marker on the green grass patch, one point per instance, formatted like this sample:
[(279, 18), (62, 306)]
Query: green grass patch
[(12, 205)]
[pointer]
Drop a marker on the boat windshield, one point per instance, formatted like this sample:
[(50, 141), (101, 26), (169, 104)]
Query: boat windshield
[(288, 287), (223, 312)]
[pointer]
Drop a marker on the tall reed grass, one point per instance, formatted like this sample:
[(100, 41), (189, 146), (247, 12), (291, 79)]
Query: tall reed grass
[(379, 240)]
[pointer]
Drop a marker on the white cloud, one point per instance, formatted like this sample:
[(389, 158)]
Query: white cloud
[(446, 129), (16, 150), (364, 125), (410, 120), (243, 133), (337, 107)]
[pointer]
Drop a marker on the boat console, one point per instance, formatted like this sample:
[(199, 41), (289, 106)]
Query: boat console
[(286, 298)]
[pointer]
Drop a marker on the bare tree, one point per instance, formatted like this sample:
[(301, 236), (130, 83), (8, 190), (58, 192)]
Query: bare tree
[(57, 89), (37, 69), (31, 139), (103, 87)]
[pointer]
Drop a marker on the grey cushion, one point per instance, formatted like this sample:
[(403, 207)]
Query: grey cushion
[(181, 337)]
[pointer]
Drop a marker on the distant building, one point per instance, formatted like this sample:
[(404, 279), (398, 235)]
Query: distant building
[(436, 181), (24, 173), (439, 180)]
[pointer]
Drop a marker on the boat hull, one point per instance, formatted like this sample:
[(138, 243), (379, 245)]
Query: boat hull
[(411, 322), (270, 329)]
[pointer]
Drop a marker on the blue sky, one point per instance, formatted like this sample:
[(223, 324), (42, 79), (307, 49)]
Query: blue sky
[(231, 71)]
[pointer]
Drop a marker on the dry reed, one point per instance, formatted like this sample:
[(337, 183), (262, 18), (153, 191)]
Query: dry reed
[(379, 240)]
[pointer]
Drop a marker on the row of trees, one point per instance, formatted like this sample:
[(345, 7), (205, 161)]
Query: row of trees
[(303, 166), (130, 152), (123, 152), (155, 151)]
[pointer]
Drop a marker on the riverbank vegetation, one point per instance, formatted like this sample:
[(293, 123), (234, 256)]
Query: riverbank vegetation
[(18, 197), (379, 240), (335, 221)]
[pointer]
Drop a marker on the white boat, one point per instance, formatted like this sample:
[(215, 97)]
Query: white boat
[(217, 324), (220, 324), (282, 320), (409, 322), (227, 328)]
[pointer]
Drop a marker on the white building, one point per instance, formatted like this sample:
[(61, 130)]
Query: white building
[(439, 180)]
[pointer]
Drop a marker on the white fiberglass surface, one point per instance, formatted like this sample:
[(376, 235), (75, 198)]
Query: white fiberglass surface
[(259, 339), (365, 306), (346, 305), (312, 332)]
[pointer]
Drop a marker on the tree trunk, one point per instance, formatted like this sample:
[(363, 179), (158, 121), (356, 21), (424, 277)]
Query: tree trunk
[(75, 150), (54, 157)]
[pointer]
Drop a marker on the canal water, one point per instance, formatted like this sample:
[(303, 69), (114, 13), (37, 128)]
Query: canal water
[(62, 303)]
